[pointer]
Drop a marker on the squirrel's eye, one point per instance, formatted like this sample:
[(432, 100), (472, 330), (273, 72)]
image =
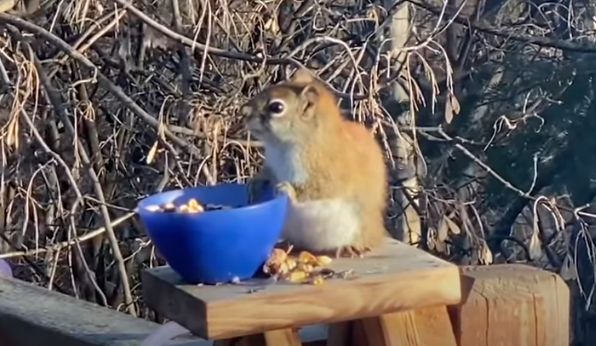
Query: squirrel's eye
[(276, 107)]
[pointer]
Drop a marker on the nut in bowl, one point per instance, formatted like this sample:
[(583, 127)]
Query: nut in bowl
[(209, 234)]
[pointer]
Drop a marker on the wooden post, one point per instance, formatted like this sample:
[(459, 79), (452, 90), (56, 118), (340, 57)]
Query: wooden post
[(511, 305)]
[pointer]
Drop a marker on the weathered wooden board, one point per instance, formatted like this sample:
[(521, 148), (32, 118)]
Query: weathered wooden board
[(396, 277), (512, 305), (31, 315)]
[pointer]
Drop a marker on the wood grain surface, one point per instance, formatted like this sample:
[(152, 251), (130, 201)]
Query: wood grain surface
[(396, 277), (429, 326), (502, 305), (512, 305)]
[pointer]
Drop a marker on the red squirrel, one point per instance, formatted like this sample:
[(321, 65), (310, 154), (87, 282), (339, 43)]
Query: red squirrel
[(332, 169)]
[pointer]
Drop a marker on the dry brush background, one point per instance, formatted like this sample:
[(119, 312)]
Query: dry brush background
[(485, 109)]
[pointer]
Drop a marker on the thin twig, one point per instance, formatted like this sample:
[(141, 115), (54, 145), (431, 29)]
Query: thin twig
[(55, 247)]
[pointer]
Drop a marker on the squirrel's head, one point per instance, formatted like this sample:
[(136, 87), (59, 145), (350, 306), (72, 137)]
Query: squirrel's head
[(287, 111)]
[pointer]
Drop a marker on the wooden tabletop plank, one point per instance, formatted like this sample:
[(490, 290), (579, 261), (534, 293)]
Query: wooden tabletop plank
[(396, 277)]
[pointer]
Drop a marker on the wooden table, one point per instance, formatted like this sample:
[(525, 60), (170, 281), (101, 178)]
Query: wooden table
[(374, 306)]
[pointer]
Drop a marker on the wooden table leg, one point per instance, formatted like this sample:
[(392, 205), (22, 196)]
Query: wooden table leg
[(226, 342), (282, 337), (279, 337), (339, 334), (426, 327)]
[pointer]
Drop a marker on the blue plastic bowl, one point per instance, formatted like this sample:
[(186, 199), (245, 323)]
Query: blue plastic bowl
[(215, 246)]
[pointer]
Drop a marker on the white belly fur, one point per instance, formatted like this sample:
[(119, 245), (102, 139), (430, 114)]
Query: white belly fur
[(314, 225), (321, 225)]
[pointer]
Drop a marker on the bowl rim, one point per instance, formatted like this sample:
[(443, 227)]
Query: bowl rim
[(248, 207)]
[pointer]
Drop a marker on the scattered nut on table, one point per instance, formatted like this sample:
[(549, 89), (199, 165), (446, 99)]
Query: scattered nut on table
[(276, 263), (306, 268)]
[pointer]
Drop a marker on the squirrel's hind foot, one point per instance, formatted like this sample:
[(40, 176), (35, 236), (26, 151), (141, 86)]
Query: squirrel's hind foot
[(351, 251)]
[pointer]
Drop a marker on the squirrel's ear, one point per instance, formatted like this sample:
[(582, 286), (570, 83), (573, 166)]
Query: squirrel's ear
[(302, 76), (310, 98)]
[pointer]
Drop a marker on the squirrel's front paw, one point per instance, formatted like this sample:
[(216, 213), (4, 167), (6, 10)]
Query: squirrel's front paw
[(287, 188)]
